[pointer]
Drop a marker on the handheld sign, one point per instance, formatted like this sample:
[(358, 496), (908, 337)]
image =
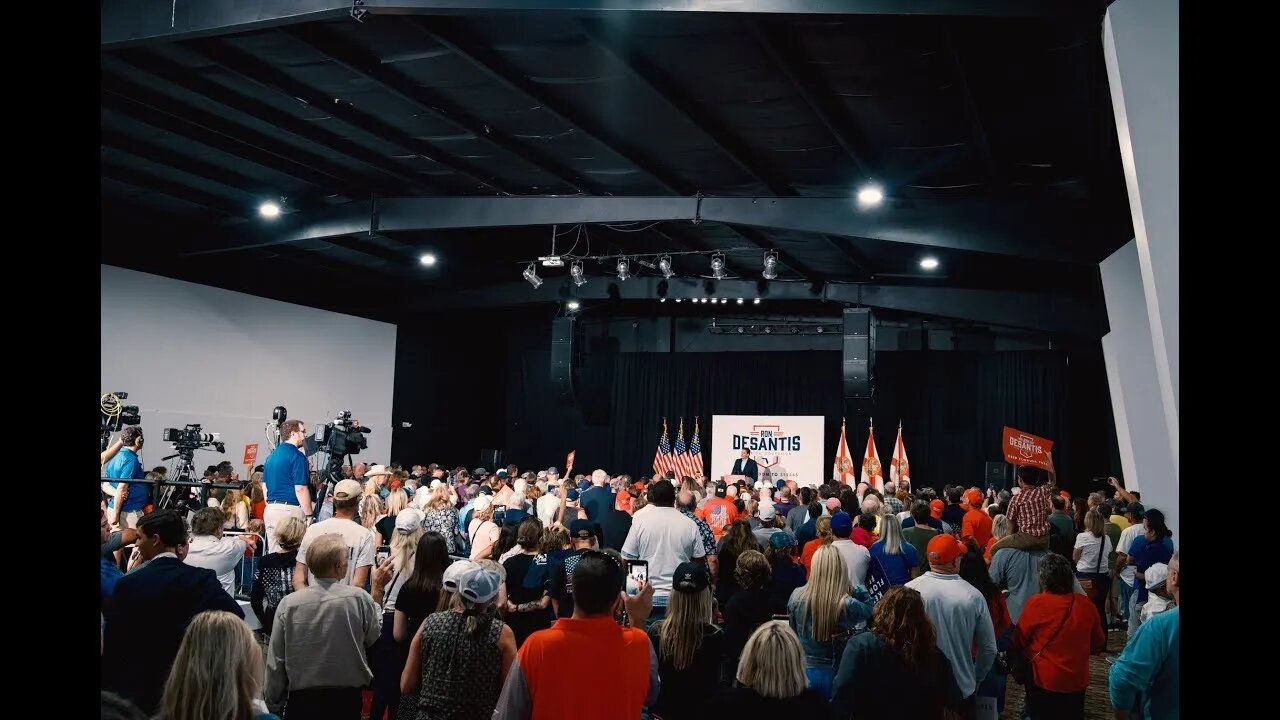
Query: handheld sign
[(1022, 448), (877, 582), (568, 462), (250, 453)]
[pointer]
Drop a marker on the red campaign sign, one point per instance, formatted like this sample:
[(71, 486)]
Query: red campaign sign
[(568, 462), (250, 453), (1022, 448)]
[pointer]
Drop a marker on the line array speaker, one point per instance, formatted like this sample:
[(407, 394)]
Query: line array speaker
[(858, 368)]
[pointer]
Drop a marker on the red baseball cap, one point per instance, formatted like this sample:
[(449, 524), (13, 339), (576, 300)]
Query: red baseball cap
[(935, 509), (974, 497), (944, 549)]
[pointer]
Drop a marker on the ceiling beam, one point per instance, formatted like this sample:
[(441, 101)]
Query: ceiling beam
[(1044, 312), (132, 22), (257, 71), (1058, 231), (163, 186), (393, 172), (186, 164), (429, 102), (977, 129), (160, 112)]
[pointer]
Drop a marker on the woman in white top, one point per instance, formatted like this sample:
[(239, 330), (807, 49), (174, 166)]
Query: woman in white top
[(387, 657), (1093, 547)]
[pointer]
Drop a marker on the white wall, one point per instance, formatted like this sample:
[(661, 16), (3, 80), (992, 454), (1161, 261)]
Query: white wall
[(190, 353)]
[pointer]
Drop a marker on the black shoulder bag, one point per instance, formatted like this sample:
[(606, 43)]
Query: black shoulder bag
[(1016, 660)]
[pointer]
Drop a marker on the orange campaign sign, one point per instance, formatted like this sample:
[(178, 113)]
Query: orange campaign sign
[(1022, 448), (250, 453)]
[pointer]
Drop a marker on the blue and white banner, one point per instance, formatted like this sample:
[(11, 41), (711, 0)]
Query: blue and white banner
[(787, 447)]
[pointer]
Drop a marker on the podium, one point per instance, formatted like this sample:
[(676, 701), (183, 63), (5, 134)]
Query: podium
[(734, 479)]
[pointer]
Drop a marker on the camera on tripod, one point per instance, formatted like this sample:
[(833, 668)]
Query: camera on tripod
[(192, 437), (342, 436), (116, 415)]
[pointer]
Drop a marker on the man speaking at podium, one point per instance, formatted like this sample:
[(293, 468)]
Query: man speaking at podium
[(746, 466)]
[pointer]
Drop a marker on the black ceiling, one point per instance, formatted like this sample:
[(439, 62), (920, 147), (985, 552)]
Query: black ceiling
[(986, 115)]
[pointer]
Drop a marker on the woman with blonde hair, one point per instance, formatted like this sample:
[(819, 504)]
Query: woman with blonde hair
[(372, 509), (274, 577), (771, 680), (897, 557), (1093, 547), (384, 529), (257, 496), (387, 657), (824, 537), (824, 615), (896, 669), (688, 647), (236, 510), (218, 673), (440, 515), (999, 529)]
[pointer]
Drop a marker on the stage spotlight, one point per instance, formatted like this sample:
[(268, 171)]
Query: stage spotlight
[(573, 305), (662, 299), (741, 300), (269, 210), (624, 268), (427, 259), (664, 266), (820, 330), (717, 266), (768, 329), (575, 270), (770, 265), (531, 274), (870, 196), (740, 330), (679, 300), (756, 301), (929, 263)]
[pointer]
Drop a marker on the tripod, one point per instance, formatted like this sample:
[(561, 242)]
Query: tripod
[(183, 472), (329, 480)]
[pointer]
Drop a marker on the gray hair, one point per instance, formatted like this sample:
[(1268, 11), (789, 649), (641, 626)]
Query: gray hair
[(1096, 498), (890, 488), (1056, 575), (871, 504), (1004, 496), (326, 556)]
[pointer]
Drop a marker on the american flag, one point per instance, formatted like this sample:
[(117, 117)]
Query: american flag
[(695, 451), (662, 458), (682, 454)]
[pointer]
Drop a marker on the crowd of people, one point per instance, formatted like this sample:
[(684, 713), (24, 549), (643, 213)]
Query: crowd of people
[(433, 593)]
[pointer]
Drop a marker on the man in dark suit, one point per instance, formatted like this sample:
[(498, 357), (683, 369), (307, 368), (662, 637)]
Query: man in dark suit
[(150, 609), (746, 466)]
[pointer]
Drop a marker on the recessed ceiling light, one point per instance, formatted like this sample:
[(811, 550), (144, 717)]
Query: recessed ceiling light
[(870, 196), (662, 299), (929, 263), (573, 305), (679, 300), (741, 301), (269, 209), (427, 259), (756, 301)]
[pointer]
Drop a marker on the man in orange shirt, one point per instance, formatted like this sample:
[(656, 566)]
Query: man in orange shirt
[(719, 512), (977, 523), (587, 667)]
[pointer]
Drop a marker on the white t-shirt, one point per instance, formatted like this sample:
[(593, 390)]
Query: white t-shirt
[(663, 537), (392, 592), (1126, 542), (1088, 546), (221, 555), (358, 539), (857, 557), (548, 505)]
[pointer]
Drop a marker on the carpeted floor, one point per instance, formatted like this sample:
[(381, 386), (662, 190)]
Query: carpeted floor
[(1097, 701)]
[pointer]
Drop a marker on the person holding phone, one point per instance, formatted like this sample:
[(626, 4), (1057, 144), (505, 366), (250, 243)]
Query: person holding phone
[(582, 533)]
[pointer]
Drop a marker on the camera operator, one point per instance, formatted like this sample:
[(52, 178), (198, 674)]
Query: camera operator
[(287, 479), (127, 500)]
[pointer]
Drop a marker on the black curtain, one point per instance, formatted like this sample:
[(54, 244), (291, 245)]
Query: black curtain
[(953, 405)]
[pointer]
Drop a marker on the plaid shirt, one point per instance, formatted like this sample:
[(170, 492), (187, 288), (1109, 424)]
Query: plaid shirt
[(1029, 511), (893, 503)]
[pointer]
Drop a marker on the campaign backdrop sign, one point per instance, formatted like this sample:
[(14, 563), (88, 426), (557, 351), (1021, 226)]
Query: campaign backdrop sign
[(1023, 448), (789, 447)]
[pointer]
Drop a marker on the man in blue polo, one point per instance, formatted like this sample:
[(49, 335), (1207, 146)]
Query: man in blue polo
[(286, 476), (127, 500)]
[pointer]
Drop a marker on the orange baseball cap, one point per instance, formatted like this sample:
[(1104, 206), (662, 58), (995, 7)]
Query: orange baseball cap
[(974, 497), (935, 509), (944, 549), (1065, 495)]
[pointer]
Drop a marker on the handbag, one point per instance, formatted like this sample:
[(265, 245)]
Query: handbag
[(1019, 665), (1093, 586)]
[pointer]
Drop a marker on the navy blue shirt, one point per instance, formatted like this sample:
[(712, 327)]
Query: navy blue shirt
[(126, 465), (285, 469), (598, 501)]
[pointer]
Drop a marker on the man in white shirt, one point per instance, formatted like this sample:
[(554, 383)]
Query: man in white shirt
[(664, 538), (857, 557), (549, 504), (1134, 513), (209, 549), (358, 539), (959, 614)]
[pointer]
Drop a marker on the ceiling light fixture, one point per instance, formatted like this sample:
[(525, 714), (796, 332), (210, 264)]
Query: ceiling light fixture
[(269, 210), (717, 266), (770, 265), (741, 300), (929, 263), (756, 301), (664, 266), (531, 274), (679, 300), (870, 196), (662, 299), (624, 268), (573, 305), (576, 272), (427, 259)]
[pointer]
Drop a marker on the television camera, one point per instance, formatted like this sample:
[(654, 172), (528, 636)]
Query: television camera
[(339, 439), (115, 415)]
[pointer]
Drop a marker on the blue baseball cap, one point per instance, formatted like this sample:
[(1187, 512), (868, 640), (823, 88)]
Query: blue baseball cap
[(781, 540), (573, 494), (841, 524)]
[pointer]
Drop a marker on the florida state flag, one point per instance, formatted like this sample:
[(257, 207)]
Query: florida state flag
[(842, 472), (899, 469), (871, 473)]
